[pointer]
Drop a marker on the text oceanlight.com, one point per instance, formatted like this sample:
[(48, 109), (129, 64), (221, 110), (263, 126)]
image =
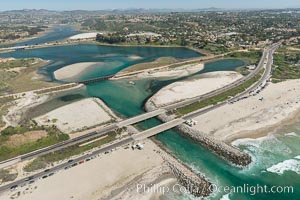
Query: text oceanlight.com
[(252, 189), (242, 189)]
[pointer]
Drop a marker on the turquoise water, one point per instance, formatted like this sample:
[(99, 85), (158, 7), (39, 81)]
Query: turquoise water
[(127, 100), (113, 59)]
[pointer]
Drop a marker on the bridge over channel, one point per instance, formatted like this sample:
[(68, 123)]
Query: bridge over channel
[(82, 138), (140, 118), (94, 80), (158, 129)]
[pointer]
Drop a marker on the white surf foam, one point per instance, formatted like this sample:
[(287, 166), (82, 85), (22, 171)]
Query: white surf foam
[(252, 142), (225, 197), (298, 157), (287, 165), (292, 134)]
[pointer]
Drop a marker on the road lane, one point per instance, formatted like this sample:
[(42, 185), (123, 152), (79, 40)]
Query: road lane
[(267, 55)]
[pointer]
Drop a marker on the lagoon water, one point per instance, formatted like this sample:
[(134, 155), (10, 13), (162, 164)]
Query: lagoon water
[(128, 100), (276, 157), (54, 34)]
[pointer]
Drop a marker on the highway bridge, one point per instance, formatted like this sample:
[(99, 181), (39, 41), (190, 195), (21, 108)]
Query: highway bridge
[(158, 129), (140, 118), (265, 62), (267, 55), (91, 135)]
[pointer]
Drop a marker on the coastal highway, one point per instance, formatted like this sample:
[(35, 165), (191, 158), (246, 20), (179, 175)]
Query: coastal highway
[(266, 61), (82, 138), (157, 129), (140, 118), (65, 165), (267, 55)]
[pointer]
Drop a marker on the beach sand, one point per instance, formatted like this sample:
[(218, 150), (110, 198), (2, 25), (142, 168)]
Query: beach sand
[(199, 85), (77, 116), (110, 176), (176, 72), (252, 117), (83, 36), (162, 72), (256, 116), (74, 70)]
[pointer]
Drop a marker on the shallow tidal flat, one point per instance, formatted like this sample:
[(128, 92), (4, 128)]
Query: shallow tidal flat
[(70, 72)]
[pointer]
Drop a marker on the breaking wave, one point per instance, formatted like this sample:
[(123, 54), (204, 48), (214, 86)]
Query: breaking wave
[(287, 165)]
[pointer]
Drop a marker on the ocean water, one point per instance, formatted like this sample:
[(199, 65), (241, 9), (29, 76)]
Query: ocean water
[(276, 157)]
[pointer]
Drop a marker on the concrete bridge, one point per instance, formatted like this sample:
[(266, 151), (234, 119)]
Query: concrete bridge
[(82, 138), (140, 118), (158, 129)]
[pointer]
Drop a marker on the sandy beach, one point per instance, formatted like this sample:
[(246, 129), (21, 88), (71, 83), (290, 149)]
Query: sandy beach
[(163, 72), (74, 70), (83, 36), (77, 116), (110, 176), (199, 85), (253, 117)]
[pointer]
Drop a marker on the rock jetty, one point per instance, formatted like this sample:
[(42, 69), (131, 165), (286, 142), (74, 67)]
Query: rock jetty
[(227, 152), (193, 182)]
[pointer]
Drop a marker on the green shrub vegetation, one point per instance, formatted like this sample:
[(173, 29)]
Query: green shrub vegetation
[(20, 80), (218, 98), (6, 152), (215, 49), (23, 62), (252, 57), (42, 161), (6, 176), (286, 66)]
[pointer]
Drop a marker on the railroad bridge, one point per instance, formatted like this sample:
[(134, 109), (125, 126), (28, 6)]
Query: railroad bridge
[(94, 80)]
